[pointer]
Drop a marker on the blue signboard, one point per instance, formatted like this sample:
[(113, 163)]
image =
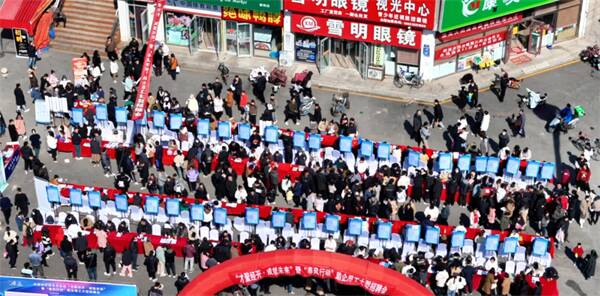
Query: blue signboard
[(175, 121), (458, 239), (94, 199), (309, 221), (53, 194), (512, 165), (384, 230), (151, 205), (196, 212), (412, 232), (75, 197), (366, 148), (158, 119), (332, 223), (299, 140), (172, 207), (547, 172), (314, 142), (220, 216), (464, 163), (510, 245), (224, 130), (252, 216), (121, 203), (355, 226), (277, 219), (414, 158), (101, 112), (481, 164), (77, 116), (345, 144), (383, 151), (203, 127), (143, 121), (244, 131), (121, 115), (50, 287), (540, 246), (271, 134), (491, 242), (444, 161), (533, 168), (432, 235), (493, 165)]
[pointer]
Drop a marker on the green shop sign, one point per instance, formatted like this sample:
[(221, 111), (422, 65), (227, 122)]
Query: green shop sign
[(460, 13), (273, 6)]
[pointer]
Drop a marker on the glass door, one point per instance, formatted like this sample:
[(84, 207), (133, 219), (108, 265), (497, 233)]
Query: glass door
[(195, 32), (231, 37), (144, 25), (324, 54), (244, 39), (362, 61)]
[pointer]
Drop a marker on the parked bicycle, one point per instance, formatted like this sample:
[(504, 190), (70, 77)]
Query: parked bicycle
[(408, 78)]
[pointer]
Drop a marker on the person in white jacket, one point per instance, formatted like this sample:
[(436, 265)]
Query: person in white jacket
[(52, 144), (485, 122), (330, 244), (455, 284)]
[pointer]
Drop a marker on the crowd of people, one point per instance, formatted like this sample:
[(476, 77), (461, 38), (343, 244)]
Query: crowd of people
[(389, 192)]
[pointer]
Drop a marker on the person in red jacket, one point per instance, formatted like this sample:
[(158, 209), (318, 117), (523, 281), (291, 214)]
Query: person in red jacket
[(583, 177), (578, 254)]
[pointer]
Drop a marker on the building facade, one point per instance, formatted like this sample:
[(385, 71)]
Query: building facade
[(378, 38)]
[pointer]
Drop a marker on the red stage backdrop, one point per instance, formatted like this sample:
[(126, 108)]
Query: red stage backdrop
[(344, 269), (144, 82)]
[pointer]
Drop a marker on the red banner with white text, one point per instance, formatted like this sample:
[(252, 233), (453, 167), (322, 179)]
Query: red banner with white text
[(456, 49), (356, 30), (144, 82)]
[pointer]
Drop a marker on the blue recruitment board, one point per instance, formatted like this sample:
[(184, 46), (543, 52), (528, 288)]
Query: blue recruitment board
[(366, 148), (493, 165), (271, 134), (299, 139), (540, 246), (547, 172), (121, 203), (278, 219), (175, 121), (412, 232), (444, 161), (75, 196), (203, 127), (143, 121), (172, 207), (384, 230), (414, 158), (52, 194), (94, 199), (220, 216), (510, 245), (533, 169), (158, 119), (197, 212), (345, 144), (332, 223), (151, 205), (314, 142), (101, 112), (512, 165), (458, 239), (464, 163), (492, 242), (355, 226), (383, 151), (309, 221), (224, 130), (244, 130), (481, 164), (121, 114), (77, 118), (252, 216), (432, 235)]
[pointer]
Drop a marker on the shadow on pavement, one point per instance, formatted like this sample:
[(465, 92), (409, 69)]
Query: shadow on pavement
[(575, 286)]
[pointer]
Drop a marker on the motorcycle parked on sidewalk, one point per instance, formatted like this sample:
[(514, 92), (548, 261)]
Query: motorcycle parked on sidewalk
[(408, 78), (340, 103)]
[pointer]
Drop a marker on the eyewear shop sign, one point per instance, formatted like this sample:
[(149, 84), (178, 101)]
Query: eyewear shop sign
[(249, 16), (460, 13), (409, 13), (273, 6), (453, 50), (30, 286), (358, 31)]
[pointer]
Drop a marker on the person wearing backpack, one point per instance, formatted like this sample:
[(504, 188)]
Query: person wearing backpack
[(181, 282), (156, 290)]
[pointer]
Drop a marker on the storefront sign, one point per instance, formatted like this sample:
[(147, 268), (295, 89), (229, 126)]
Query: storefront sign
[(186, 6), (144, 83), (453, 50), (249, 16), (273, 6), (358, 31), (378, 55), (350, 279), (460, 13), (306, 50), (409, 13), (21, 42), (481, 27), (79, 66)]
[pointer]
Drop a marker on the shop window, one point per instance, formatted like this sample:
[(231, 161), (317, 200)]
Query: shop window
[(177, 28), (443, 68), (306, 48), (267, 40), (495, 51), (466, 61)]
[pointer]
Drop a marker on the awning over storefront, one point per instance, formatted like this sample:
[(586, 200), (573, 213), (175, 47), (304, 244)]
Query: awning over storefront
[(22, 14)]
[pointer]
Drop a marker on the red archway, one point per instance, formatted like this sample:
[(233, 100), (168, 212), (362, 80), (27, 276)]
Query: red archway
[(345, 269)]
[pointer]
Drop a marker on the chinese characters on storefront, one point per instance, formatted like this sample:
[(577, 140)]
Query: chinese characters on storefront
[(481, 27), (249, 16), (453, 50), (410, 13), (358, 31), (252, 276)]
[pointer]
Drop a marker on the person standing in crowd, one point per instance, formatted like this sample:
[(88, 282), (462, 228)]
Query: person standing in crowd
[(503, 85), (503, 139), (22, 202), (416, 126), (35, 259), (52, 144), (76, 140), (151, 264), (126, 262), (71, 267), (173, 66), (259, 87), (160, 256), (91, 264), (181, 282), (28, 157), (170, 261), (110, 47), (6, 207), (589, 265), (438, 115), (189, 252), (108, 256), (156, 290), (521, 123), (12, 131), (20, 99), (31, 55)]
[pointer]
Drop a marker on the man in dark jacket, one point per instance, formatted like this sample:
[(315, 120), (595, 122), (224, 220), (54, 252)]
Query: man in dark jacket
[(91, 263), (22, 202), (20, 98), (416, 125), (503, 139), (222, 252), (181, 282), (108, 257), (28, 156), (259, 87), (81, 246), (151, 265), (71, 267), (6, 207), (36, 143)]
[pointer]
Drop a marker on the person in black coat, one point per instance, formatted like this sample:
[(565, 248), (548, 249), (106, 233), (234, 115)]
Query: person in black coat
[(12, 131), (416, 125), (81, 246), (181, 282), (91, 264), (259, 87), (20, 98), (71, 267), (22, 202), (151, 265), (109, 257), (438, 115), (589, 265), (28, 156)]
